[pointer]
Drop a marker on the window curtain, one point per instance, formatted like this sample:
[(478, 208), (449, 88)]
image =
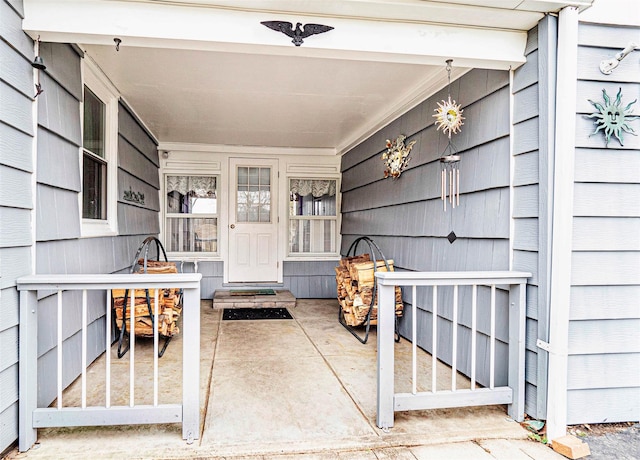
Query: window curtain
[(198, 186), (315, 187)]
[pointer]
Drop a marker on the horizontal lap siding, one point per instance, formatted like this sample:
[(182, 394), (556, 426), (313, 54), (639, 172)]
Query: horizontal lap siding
[(60, 248), (604, 345), (16, 200), (138, 173), (212, 275), (405, 216), (310, 280)]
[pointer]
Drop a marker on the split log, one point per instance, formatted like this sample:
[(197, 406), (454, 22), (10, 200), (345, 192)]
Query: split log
[(355, 281), (168, 309)]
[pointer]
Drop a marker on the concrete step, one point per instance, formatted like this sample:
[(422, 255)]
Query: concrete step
[(224, 298)]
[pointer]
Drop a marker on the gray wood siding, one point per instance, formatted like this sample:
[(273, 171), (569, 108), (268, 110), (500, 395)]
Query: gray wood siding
[(405, 216), (16, 199), (212, 275), (310, 280), (59, 248), (534, 138), (137, 172), (604, 346)]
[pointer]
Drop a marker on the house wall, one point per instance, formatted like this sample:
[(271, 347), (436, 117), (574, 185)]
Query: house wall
[(59, 247), (305, 277), (604, 344), (533, 140), (405, 216), (16, 199)]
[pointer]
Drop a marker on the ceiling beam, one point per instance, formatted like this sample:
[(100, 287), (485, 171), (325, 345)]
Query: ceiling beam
[(194, 27)]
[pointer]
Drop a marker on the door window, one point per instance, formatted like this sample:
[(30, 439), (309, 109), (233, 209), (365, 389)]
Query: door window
[(253, 194)]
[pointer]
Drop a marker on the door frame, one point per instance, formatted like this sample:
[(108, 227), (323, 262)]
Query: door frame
[(274, 164)]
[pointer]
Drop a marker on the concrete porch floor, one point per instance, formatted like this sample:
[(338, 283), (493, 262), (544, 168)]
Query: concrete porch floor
[(284, 389)]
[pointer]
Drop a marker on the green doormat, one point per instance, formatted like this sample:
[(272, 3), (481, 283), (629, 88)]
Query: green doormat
[(247, 292)]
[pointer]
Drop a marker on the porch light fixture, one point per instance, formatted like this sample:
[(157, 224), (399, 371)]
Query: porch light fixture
[(117, 41), (38, 64)]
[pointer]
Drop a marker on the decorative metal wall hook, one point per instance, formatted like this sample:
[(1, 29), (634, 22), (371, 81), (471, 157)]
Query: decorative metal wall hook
[(38, 64), (607, 65), (117, 42)]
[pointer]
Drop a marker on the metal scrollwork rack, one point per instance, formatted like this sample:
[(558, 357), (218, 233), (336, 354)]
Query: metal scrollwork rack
[(375, 254), (142, 254)]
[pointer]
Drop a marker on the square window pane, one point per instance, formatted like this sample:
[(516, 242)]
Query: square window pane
[(93, 135), (316, 236), (243, 175), (265, 176), (191, 195), (94, 181), (192, 234), (312, 197), (254, 176)]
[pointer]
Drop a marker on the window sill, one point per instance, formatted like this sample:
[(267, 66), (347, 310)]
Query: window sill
[(313, 257), (94, 229)]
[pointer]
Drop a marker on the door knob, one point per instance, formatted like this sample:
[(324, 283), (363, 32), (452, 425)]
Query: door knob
[(232, 225)]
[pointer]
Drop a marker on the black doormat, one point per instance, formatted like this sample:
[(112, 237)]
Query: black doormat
[(248, 292), (255, 313)]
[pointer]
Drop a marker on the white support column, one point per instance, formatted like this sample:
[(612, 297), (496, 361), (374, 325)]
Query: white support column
[(191, 364), (562, 221), (517, 338), (28, 369), (386, 329)]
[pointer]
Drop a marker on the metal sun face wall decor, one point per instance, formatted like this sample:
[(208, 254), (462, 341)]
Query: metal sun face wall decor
[(612, 118)]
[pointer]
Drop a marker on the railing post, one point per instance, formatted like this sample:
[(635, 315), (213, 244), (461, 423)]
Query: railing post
[(28, 369), (386, 329), (191, 364), (517, 337)]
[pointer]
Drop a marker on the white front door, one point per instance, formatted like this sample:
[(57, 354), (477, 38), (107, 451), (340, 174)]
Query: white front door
[(253, 220)]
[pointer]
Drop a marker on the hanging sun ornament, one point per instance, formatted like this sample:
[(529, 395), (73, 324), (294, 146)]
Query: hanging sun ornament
[(449, 117), (396, 158), (612, 118)]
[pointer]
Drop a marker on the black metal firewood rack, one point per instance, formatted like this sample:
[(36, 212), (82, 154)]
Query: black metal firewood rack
[(375, 254), (143, 250)]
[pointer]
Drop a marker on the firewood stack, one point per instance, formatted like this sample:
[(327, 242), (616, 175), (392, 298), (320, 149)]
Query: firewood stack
[(355, 281), (169, 301)]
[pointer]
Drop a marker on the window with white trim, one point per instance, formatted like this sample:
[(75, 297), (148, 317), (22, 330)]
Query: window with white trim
[(313, 216), (191, 210), (98, 199)]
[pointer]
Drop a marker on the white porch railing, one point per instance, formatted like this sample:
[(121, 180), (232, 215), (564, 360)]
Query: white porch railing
[(512, 394), (32, 417)]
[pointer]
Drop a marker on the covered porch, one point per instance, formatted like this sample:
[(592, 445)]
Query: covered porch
[(275, 387)]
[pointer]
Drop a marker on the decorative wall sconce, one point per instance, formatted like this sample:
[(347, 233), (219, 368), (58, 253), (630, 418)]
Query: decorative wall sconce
[(396, 158), (38, 64), (612, 118), (117, 41)]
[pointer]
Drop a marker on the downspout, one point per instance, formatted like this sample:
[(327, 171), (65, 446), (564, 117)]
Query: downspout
[(562, 222), (34, 160)]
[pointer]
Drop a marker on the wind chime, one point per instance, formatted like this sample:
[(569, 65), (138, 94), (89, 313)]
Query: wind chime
[(449, 118)]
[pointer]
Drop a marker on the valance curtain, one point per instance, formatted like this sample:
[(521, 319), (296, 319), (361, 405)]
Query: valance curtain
[(200, 186), (315, 187)]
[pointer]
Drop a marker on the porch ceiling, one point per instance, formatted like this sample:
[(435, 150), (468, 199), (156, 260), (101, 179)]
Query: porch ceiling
[(207, 72)]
